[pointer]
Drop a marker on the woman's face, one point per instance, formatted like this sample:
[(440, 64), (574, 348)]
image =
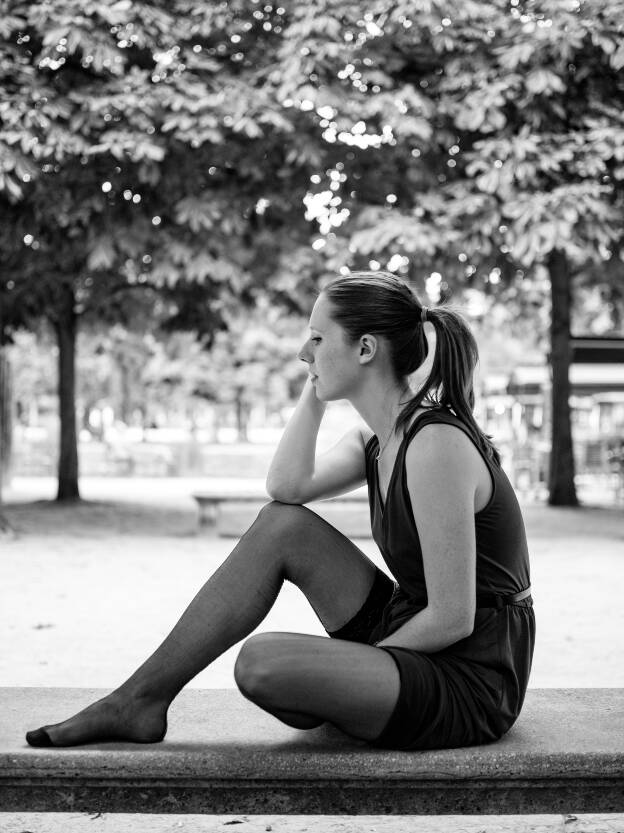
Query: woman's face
[(332, 360)]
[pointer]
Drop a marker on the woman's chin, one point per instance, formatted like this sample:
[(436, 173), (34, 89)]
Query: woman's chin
[(325, 395)]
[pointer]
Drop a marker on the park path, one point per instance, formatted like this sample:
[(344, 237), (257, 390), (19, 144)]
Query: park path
[(125, 823)]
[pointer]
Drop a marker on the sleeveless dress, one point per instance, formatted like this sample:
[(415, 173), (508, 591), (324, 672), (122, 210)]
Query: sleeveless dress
[(470, 692)]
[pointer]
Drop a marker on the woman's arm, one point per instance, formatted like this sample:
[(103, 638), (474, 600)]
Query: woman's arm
[(296, 475), (443, 469)]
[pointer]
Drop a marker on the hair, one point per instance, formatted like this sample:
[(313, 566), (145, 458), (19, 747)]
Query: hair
[(381, 304)]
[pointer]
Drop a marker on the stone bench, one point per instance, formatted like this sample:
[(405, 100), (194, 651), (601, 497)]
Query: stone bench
[(225, 756), (232, 512)]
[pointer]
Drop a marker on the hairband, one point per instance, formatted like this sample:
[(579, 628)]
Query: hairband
[(423, 314)]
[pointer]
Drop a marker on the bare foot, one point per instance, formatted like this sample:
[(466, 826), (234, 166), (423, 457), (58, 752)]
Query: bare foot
[(113, 718)]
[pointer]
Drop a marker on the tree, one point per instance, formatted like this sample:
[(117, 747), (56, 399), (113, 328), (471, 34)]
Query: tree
[(550, 175), (502, 132), (6, 425), (133, 147), (255, 362), (172, 147)]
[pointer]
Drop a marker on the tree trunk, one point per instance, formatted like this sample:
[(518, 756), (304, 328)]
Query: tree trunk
[(615, 297), (6, 418), (65, 327), (125, 390), (562, 491), (242, 416), (6, 431)]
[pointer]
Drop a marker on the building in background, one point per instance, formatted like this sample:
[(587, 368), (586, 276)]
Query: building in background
[(517, 411)]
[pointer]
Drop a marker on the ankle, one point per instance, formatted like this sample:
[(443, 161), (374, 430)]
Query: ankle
[(143, 694)]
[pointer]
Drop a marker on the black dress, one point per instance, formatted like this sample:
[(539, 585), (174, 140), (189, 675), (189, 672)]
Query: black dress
[(472, 691)]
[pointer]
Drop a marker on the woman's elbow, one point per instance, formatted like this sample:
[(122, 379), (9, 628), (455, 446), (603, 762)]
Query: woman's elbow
[(456, 627), (462, 624), (464, 629), (281, 492)]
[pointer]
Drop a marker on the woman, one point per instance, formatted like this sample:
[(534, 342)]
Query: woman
[(439, 659)]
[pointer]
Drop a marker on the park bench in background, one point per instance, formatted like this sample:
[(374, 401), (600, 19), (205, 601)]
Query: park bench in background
[(231, 511), (225, 756)]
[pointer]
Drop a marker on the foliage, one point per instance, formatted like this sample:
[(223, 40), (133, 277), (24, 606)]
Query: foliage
[(460, 136), (133, 148), (500, 126), (134, 145), (151, 377), (510, 162)]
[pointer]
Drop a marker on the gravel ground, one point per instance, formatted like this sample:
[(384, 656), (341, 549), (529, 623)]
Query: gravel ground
[(123, 823), (88, 591)]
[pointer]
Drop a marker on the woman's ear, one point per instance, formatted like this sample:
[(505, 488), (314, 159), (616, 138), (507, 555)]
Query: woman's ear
[(368, 348)]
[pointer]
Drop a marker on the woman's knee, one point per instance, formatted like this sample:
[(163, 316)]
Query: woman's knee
[(255, 667), (285, 515), (292, 527)]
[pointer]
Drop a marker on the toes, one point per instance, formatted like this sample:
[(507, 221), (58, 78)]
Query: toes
[(39, 737)]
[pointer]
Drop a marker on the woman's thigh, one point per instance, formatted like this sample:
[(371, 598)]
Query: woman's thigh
[(351, 685)]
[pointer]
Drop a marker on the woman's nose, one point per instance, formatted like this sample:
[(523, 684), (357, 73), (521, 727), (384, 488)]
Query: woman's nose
[(303, 353)]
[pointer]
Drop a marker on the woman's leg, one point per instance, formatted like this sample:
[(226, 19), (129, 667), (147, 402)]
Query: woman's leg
[(285, 542), (307, 680)]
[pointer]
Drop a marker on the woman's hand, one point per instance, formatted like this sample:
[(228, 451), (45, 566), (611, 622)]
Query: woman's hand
[(296, 474), (308, 394), (293, 462)]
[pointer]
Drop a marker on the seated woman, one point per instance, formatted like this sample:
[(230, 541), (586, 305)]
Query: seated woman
[(438, 656)]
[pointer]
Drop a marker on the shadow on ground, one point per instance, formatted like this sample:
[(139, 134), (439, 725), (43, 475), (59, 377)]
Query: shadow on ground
[(178, 517), (100, 519)]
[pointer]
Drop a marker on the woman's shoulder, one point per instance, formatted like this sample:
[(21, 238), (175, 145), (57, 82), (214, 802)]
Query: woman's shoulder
[(438, 436), (443, 452), (434, 434)]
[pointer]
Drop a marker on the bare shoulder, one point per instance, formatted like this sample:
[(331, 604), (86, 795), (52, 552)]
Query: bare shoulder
[(443, 464), (442, 444)]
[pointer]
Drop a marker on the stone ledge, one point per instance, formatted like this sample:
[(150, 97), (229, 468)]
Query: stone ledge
[(233, 511), (224, 755)]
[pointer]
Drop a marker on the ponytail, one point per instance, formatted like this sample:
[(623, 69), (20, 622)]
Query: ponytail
[(450, 381)]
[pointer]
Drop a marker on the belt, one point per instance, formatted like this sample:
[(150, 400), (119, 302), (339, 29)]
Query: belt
[(499, 602)]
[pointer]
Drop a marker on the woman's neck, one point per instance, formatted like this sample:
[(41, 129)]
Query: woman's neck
[(380, 405)]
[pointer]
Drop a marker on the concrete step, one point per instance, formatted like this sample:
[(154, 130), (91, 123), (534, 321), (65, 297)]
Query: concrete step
[(224, 755)]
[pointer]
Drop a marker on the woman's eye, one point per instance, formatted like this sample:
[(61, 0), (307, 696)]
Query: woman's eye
[(315, 339)]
